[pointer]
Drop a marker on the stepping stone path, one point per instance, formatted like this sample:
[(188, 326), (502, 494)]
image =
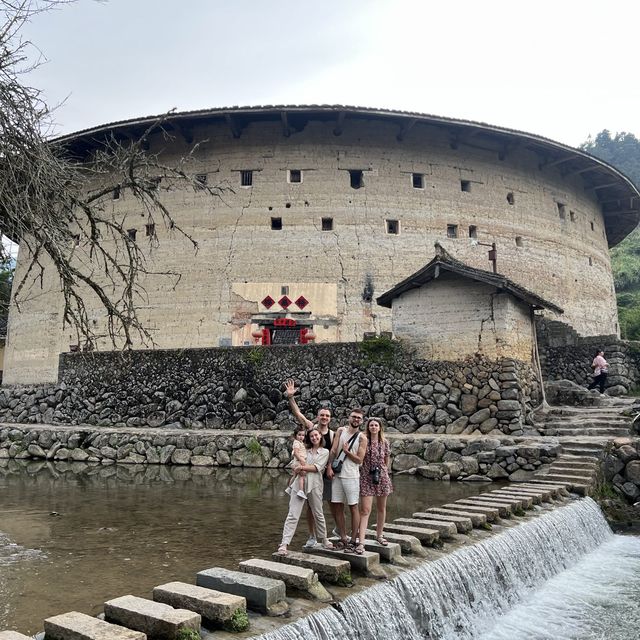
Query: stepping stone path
[(328, 569)]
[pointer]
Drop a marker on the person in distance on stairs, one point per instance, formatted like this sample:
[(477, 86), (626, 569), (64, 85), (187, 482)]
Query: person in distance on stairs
[(600, 370)]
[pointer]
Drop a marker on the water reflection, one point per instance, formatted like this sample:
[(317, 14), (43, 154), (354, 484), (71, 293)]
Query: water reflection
[(73, 535)]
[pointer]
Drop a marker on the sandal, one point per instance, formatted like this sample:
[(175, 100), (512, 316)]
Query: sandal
[(359, 549), (282, 550), (383, 541), (327, 544), (339, 545)]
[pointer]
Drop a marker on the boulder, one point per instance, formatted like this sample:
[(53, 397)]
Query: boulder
[(404, 462)]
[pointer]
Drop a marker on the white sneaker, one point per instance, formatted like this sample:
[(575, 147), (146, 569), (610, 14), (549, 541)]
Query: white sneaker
[(310, 543)]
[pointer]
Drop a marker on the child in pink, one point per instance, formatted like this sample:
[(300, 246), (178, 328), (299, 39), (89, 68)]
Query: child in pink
[(298, 457)]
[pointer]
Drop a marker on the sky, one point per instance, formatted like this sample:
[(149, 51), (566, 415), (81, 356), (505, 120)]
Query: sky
[(564, 69)]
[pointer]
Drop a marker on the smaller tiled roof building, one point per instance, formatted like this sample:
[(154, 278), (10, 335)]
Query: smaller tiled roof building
[(450, 311)]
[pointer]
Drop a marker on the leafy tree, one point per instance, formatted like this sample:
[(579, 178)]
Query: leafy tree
[(57, 206), (623, 151)]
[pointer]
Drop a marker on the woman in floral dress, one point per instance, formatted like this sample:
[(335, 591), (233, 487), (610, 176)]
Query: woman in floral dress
[(374, 481)]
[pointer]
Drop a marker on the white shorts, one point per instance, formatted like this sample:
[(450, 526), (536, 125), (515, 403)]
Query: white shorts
[(345, 490)]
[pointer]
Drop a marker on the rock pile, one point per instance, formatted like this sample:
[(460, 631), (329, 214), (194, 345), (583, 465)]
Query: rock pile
[(621, 466)]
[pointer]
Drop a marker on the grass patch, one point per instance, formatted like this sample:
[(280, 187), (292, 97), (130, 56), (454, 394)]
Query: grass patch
[(255, 356), (238, 622), (345, 579), (187, 634), (381, 350), (253, 446)]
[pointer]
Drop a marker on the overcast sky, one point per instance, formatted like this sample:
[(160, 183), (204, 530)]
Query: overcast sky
[(562, 69)]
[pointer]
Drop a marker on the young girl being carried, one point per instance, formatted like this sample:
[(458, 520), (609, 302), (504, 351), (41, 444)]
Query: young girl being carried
[(298, 457)]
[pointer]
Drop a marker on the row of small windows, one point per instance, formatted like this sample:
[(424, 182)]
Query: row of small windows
[(562, 213)]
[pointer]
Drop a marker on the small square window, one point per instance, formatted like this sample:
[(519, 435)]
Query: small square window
[(452, 231), (393, 227), (562, 210), (519, 242), (572, 216), (465, 185), (417, 179), (276, 224), (132, 234), (473, 231), (201, 181), (327, 224), (246, 178), (116, 193), (284, 290), (356, 178), (150, 230), (295, 176), (511, 199)]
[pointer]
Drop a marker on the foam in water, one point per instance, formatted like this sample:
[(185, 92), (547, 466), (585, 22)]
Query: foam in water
[(462, 595)]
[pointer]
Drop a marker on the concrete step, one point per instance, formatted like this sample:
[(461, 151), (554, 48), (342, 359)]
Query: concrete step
[(567, 478), (79, 626), (568, 463), (477, 519), (407, 543), (572, 486), (610, 432), (390, 552), (264, 595), (557, 490), (367, 563), (537, 496), (295, 578), (519, 502), (155, 619), (587, 474), (446, 529), (426, 536), (492, 512), (328, 569), (13, 635), (463, 525), (215, 607)]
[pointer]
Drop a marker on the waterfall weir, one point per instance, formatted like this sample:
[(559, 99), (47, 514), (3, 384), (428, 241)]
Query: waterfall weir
[(540, 580)]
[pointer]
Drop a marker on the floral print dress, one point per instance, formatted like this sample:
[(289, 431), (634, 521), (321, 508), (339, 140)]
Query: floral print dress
[(375, 456)]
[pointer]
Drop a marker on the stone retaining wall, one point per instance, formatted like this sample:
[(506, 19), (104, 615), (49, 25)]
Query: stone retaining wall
[(621, 466), (241, 388), (564, 355), (432, 456)]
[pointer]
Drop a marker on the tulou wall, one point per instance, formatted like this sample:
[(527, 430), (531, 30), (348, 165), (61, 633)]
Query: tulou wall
[(335, 246), (241, 388)]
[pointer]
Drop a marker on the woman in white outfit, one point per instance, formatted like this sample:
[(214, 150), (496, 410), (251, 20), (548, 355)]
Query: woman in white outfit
[(316, 461)]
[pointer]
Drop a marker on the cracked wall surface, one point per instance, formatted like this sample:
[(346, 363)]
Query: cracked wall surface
[(237, 244), (453, 318)]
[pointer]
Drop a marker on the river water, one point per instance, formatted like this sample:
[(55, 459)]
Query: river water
[(73, 536)]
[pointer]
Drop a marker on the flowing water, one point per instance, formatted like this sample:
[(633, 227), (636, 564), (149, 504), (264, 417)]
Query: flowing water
[(73, 536), (562, 576)]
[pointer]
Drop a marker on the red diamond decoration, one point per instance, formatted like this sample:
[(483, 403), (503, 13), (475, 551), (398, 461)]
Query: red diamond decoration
[(268, 302), (284, 302), (302, 302)]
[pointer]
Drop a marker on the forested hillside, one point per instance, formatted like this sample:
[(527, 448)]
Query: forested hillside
[(623, 151)]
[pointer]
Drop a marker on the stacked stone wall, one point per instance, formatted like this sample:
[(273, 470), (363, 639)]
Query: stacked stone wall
[(431, 456), (621, 466), (571, 360), (241, 388)]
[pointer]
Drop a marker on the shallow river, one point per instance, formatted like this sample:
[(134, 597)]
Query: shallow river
[(73, 536)]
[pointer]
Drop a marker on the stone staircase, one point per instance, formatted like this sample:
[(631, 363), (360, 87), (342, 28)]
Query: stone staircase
[(606, 422)]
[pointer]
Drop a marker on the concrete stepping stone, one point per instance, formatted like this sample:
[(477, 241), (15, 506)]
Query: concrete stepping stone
[(446, 530), (536, 497), (155, 619), (79, 626), (328, 569), (215, 607), (501, 510), (492, 513), (513, 503), (297, 578), (367, 562), (577, 485), (477, 519), (264, 595), (425, 535), (463, 525), (13, 635), (408, 544), (389, 553), (556, 490), (521, 501)]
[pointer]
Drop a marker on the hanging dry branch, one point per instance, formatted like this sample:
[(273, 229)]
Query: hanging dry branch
[(55, 205)]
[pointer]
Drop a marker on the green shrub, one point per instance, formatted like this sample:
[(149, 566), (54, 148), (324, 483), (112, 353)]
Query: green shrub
[(345, 579), (238, 622), (255, 356), (187, 634), (380, 350), (254, 446)]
